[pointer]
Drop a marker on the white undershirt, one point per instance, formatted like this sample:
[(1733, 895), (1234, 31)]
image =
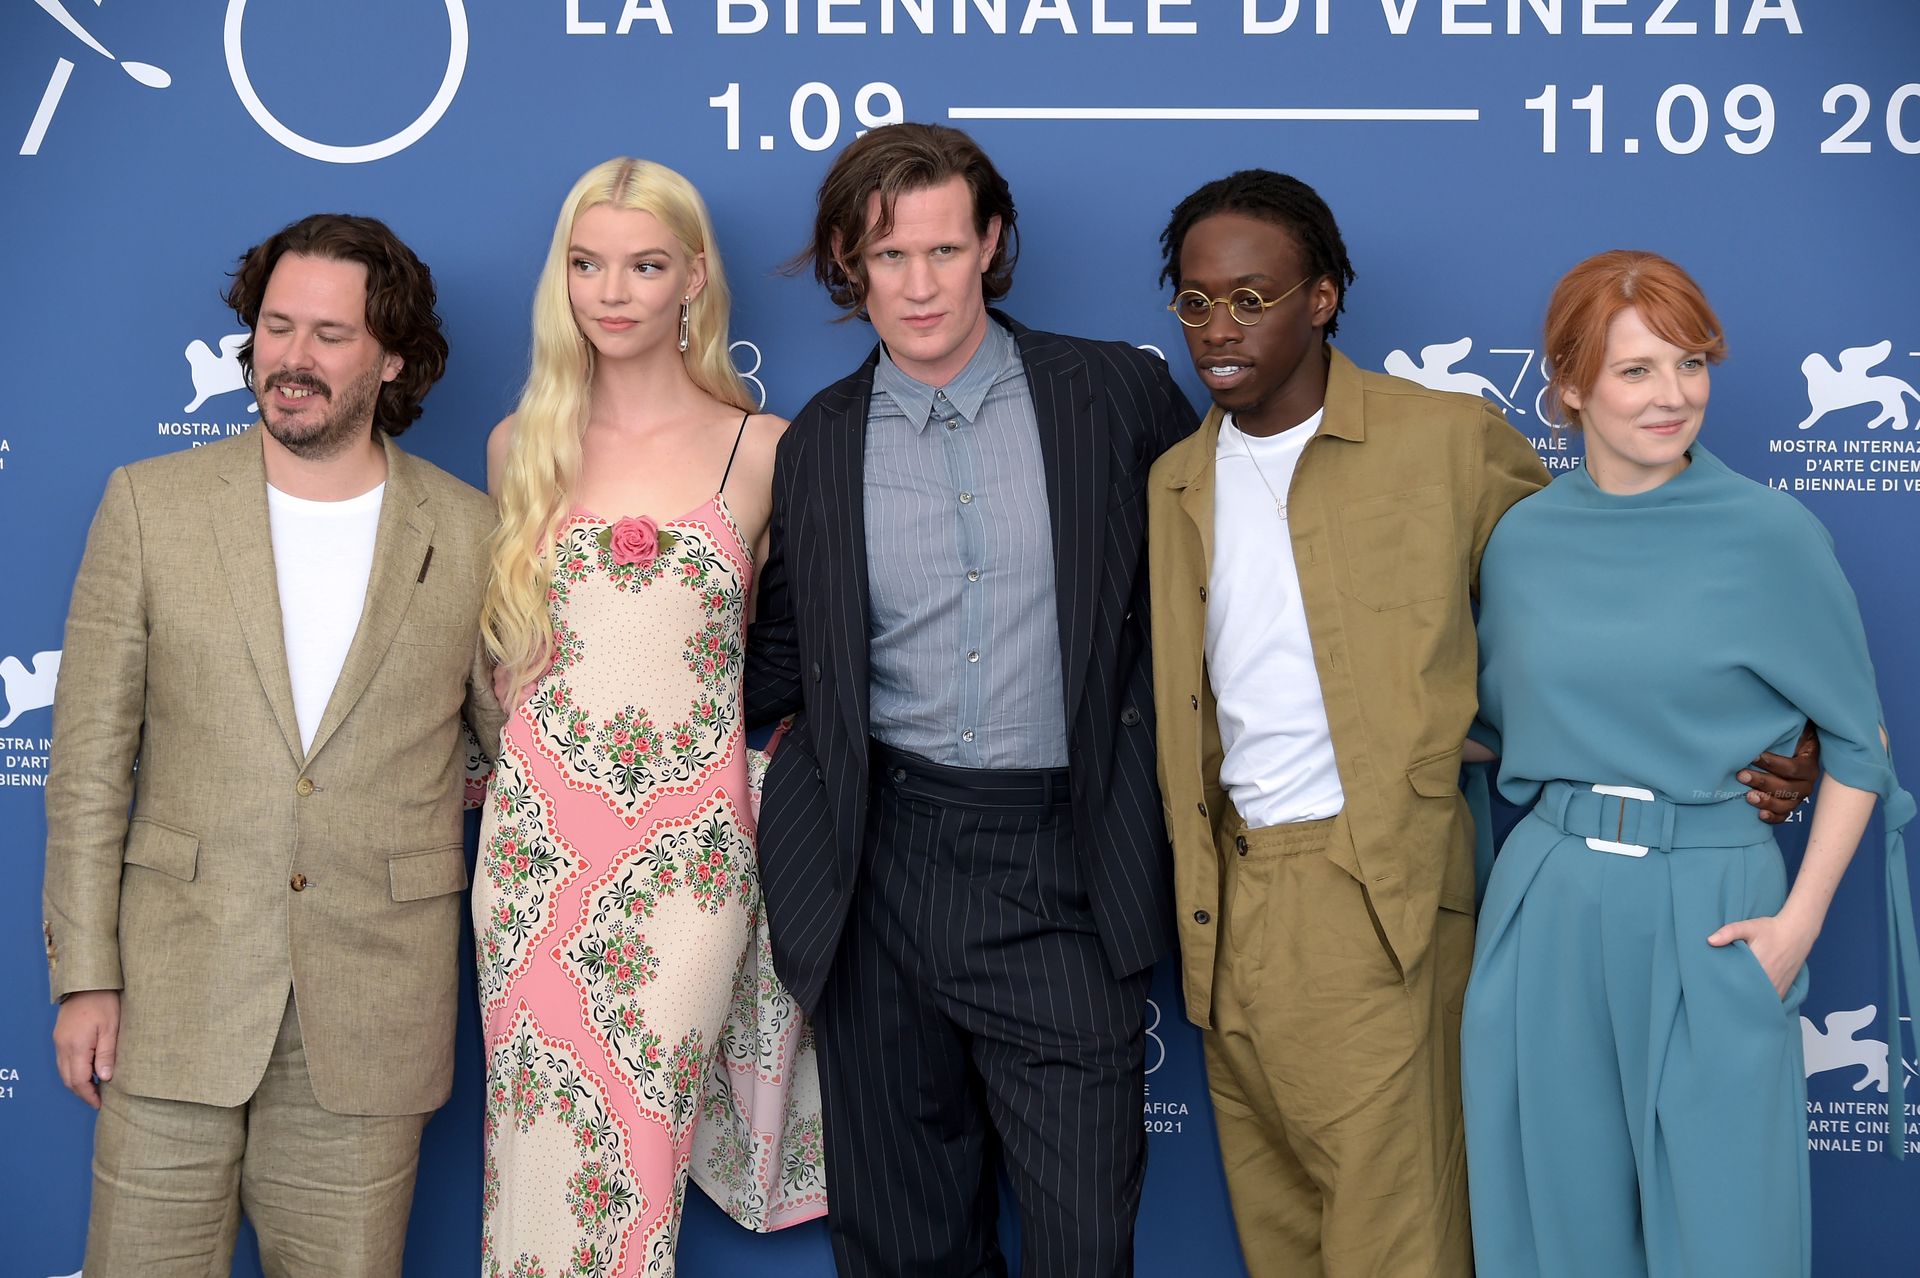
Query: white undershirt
[(322, 558), (1273, 723)]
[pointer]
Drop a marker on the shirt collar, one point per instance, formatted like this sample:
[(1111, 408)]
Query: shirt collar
[(998, 357)]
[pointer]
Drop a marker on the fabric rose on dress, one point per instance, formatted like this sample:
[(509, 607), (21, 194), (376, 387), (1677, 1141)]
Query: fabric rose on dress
[(635, 541)]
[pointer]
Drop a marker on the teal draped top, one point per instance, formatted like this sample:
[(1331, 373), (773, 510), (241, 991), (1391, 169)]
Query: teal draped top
[(1657, 639)]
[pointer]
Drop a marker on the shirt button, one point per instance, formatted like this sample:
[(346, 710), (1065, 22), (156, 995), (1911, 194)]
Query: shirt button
[(303, 787), (298, 882), (1202, 917), (973, 657), (952, 424), (966, 499), (967, 735), (973, 574)]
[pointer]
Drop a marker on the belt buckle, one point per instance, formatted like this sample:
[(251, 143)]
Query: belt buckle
[(1622, 793)]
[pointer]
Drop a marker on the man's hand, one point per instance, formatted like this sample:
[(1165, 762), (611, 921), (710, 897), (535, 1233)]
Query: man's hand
[(86, 1035), (503, 688), (1781, 783)]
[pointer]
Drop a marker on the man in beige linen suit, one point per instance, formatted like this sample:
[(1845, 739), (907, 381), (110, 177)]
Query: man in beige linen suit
[(254, 935)]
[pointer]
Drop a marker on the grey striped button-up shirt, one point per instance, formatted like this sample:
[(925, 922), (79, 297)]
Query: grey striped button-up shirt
[(965, 633)]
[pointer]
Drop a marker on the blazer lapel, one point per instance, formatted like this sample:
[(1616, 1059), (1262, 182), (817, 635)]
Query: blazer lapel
[(1073, 453), (840, 497), (244, 535), (399, 552)]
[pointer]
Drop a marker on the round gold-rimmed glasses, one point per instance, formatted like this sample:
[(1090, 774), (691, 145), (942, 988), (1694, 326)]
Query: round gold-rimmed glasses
[(1195, 309)]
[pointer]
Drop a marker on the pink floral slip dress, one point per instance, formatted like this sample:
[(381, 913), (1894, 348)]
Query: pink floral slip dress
[(635, 1030)]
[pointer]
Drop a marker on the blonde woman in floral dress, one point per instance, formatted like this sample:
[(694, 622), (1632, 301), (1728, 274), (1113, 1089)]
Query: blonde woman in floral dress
[(635, 1031)]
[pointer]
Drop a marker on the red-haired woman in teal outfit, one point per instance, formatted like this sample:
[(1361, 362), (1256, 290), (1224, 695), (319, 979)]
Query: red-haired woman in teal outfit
[(1631, 1059)]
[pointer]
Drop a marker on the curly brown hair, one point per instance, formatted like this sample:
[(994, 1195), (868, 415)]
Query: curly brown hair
[(400, 299), (893, 160)]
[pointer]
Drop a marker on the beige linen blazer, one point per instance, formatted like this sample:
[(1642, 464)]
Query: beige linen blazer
[(202, 864)]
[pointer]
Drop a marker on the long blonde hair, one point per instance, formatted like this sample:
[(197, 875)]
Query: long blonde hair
[(543, 455)]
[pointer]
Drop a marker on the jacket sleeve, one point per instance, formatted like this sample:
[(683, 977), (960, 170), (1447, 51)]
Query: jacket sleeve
[(773, 689), (483, 714), (1509, 470), (98, 711)]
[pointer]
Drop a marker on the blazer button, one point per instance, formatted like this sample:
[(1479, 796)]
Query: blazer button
[(1203, 594), (1202, 807), (1202, 917), (1129, 716), (1240, 844), (1195, 699), (303, 787), (816, 672), (298, 882)]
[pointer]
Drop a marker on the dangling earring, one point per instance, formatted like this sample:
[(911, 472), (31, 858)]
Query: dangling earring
[(685, 304)]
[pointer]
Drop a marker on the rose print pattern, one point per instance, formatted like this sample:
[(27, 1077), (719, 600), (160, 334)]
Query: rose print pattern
[(523, 862), (535, 1082), (630, 753), (636, 1035), (803, 1164)]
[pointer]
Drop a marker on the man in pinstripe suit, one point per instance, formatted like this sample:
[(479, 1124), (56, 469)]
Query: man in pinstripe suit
[(961, 842)]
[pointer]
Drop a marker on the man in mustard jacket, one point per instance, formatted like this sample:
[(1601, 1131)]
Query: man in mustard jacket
[(255, 935), (1313, 553)]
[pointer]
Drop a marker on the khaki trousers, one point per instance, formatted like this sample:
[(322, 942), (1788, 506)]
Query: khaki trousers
[(1334, 1075), (328, 1194)]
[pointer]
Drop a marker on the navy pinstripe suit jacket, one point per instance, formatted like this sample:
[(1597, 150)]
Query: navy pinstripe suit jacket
[(1105, 411)]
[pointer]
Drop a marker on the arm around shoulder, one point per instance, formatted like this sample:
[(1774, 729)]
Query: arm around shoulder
[(1176, 419), (1509, 470), (772, 679)]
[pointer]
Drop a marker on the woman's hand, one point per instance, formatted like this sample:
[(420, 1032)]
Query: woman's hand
[(1780, 941)]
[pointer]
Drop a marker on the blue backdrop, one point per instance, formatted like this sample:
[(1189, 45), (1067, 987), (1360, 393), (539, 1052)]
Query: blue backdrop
[(1473, 150)]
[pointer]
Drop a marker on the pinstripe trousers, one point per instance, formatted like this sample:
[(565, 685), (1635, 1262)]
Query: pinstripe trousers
[(971, 1010)]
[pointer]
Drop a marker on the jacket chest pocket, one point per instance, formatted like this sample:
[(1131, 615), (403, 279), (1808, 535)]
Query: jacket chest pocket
[(1400, 548)]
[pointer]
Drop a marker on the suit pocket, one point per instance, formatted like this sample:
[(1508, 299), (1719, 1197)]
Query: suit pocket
[(173, 852), (1437, 777), (416, 876), (1398, 547), (429, 635)]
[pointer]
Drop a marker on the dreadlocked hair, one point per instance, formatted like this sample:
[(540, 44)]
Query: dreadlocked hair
[(1285, 201)]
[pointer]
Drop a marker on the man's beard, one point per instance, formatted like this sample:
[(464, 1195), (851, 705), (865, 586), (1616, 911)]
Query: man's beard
[(332, 434)]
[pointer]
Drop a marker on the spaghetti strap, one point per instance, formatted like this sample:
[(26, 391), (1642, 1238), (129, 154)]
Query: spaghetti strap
[(735, 453)]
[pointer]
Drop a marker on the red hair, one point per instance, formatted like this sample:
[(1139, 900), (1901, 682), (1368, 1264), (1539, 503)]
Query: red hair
[(1592, 293)]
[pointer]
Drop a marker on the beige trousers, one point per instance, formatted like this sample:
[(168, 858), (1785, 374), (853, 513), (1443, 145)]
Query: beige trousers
[(328, 1194), (1334, 1075)]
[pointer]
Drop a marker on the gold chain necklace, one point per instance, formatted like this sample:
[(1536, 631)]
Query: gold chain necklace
[(1279, 505)]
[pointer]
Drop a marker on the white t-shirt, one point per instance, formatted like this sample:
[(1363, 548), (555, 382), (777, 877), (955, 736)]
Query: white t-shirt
[(322, 558), (1278, 764)]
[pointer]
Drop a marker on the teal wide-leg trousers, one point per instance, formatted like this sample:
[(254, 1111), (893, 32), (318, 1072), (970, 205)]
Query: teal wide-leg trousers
[(1635, 1098)]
